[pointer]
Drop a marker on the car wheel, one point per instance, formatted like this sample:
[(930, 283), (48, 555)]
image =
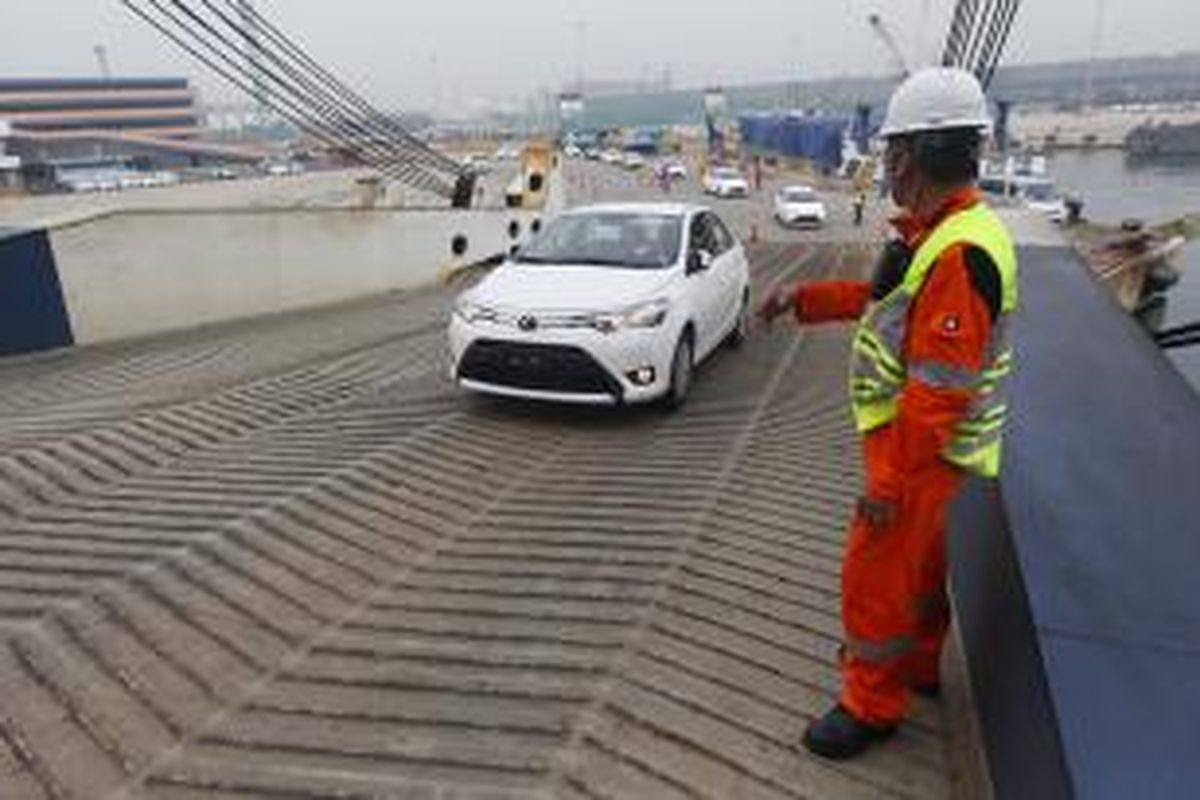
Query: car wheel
[(682, 364), (741, 328)]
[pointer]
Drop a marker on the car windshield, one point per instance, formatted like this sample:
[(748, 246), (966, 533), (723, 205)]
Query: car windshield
[(798, 196), (630, 240), (726, 174)]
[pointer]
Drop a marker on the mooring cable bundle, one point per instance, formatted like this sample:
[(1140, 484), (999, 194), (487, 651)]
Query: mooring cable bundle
[(979, 31), (249, 52)]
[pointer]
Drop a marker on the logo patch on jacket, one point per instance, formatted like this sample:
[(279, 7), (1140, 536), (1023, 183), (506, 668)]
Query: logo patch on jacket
[(949, 324)]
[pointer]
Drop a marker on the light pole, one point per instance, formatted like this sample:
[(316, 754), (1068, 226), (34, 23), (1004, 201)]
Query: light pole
[(102, 61)]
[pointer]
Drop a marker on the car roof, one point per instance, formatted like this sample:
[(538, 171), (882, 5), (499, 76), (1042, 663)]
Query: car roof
[(798, 187), (667, 209)]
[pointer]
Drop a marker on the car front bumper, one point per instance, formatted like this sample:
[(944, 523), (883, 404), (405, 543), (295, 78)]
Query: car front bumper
[(801, 220), (571, 365)]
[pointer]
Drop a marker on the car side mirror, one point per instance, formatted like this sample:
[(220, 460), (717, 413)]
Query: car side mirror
[(699, 261)]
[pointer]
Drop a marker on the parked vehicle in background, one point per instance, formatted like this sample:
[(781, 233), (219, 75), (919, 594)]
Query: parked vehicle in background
[(610, 157), (799, 206), (672, 171), (726, 182), (112, 180), (610, 304), (633, 160), (508, 152), (284, 168), (478, 163), (134, 180)]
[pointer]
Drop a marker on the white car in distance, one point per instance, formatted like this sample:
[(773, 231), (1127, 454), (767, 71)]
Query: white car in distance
[(508, 152), (799, 206), (675, 171), (726, 182), (633, 161), (611, 304)]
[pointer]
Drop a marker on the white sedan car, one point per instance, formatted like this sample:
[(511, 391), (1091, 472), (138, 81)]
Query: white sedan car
[(726, 182), (611, 304), (674, 170), (799, 206), (633, 161)]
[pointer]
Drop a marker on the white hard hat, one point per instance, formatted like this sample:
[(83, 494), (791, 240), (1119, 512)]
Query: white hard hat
[(934, 99)]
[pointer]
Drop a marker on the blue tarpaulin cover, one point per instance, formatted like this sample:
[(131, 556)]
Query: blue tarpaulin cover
[(818, 139)]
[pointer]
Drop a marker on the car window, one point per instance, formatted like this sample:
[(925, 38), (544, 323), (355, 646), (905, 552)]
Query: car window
[(701, 235), (722, 238)]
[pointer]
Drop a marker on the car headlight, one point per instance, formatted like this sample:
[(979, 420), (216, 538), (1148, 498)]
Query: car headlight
[(471, 311), (643, 315)]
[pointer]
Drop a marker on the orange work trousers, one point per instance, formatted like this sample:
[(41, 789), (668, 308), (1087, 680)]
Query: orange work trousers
[(894, 605)]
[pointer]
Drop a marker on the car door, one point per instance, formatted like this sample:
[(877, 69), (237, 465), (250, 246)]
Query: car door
[(729, 272), (704, 287)]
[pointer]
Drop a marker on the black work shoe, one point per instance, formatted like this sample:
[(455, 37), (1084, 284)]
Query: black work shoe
[(839, 735), (930, 691)]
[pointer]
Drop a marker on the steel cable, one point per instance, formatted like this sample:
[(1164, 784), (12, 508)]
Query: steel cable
[(994, 56), (331, 131), (961, 32), (283, 108), (983, 21), (333, 82), (343, 126), (283, 105), (312, 96)]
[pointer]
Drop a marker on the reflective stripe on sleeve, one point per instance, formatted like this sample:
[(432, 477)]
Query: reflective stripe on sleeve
[(882, 651)]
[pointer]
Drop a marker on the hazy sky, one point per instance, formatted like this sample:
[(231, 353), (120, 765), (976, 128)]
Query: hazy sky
[(459, 54)]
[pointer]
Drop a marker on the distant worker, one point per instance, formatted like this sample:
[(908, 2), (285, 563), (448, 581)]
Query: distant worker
[(929, 359), (758, 173), (1073, 204), (860, 205)]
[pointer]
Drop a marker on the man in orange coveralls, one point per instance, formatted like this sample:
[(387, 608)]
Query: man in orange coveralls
[(929, 359)]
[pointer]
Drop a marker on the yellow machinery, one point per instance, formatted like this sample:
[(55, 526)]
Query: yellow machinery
[(528, 189)]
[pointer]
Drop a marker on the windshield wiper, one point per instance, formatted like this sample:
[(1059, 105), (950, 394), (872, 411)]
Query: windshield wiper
[(609, 262), (588, 262)]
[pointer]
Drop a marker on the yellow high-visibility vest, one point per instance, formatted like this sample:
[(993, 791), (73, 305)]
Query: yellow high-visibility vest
[(879, 369)]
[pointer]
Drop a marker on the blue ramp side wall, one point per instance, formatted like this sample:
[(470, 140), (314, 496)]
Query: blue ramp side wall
[(33, 314), (1076, 578)]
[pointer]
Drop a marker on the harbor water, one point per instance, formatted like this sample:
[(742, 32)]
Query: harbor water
[(1114, 189)]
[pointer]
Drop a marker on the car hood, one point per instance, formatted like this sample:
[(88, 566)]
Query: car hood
[(546, 287)]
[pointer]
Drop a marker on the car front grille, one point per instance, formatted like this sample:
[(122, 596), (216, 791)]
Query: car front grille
[(537, 367)]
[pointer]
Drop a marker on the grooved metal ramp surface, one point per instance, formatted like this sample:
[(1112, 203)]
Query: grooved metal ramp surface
[(285, 559)]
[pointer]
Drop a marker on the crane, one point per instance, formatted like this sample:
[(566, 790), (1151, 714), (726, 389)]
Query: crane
[(889, 41)]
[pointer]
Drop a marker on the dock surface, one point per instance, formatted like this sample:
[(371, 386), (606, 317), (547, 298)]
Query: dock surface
[(284, 558)]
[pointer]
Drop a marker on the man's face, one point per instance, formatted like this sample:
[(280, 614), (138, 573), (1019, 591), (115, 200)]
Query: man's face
[(899, 168)]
